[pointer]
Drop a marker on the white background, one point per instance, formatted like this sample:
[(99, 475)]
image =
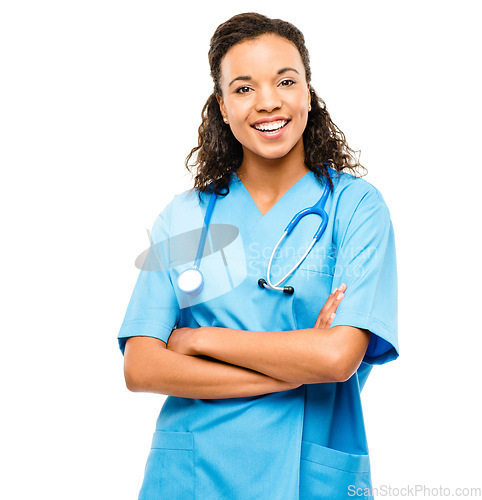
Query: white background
[(100, 104)]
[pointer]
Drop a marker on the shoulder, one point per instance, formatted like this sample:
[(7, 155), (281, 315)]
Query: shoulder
[(192, 204), (351, 189), (183, 209), (357, 203), (352, 194)]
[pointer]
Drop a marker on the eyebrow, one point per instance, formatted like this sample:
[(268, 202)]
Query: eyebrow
[(247, 77)]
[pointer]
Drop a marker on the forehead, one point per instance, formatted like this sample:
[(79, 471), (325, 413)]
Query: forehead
[(264, 55)]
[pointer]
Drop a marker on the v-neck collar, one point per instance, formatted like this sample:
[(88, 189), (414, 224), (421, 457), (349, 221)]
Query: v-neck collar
[(287, 194)]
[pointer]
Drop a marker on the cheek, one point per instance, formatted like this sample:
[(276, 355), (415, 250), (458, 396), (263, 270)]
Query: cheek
[(238, 121), (302, 120), (239, 128), (235, 109), (303, 108)]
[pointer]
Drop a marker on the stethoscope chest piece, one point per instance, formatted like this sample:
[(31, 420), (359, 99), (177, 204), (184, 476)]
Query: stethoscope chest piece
[(190, 281)]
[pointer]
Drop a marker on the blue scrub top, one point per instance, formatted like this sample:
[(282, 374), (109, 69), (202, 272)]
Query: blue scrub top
[(304, 443)]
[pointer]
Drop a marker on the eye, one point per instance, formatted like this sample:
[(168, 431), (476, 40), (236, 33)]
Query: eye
[(287, 83), (242, 90)]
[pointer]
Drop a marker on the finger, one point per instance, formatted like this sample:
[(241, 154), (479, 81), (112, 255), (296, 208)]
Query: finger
[(334, 299), (331, 298), (337, 300), (334, 306), (325, 321), (332, 317), (324, 317), (327, 313), (328, 319), (327, 309)]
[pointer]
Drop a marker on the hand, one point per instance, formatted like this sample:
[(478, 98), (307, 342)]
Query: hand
[(181, 341), (327, 313)]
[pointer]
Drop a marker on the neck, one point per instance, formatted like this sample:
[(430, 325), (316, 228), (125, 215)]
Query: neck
[(272, 177)]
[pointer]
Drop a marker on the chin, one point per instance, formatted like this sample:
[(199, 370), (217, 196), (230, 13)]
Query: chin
[(274, 154), (268, 151)]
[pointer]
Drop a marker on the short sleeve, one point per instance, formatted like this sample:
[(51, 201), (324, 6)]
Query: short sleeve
[(153, 309), (366, 262)]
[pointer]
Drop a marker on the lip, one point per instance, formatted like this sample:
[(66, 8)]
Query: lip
[(270, 119), (271, 135)]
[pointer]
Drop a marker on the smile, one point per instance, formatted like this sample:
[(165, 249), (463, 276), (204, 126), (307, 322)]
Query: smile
[(271, 127)]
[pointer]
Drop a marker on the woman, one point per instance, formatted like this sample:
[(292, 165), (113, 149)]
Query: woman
[(263, 382)]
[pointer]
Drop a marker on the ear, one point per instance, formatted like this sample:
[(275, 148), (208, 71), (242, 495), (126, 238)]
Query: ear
[(222, 107)]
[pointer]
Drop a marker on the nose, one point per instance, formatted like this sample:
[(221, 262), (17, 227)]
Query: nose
[(268, 99)]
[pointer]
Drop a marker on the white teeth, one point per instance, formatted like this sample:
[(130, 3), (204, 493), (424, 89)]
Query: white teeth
[(271, 126)]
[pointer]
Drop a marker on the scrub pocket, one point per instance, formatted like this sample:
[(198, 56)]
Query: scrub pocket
[(169, 471), (328, 474)]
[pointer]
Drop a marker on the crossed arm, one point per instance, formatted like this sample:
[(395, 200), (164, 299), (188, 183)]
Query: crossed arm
[(245, 363)]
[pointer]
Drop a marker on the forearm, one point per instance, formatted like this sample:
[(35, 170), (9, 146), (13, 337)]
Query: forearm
[(298, 356), (165, 372)]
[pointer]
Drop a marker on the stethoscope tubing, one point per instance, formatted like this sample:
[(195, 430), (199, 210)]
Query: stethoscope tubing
[(207, 219), (319, 209), (293, 269)]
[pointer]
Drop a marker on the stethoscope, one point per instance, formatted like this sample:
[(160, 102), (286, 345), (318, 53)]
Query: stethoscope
[(191, 280)]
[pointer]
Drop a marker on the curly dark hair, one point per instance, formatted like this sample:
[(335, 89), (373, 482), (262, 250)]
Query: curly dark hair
[(219, 153)]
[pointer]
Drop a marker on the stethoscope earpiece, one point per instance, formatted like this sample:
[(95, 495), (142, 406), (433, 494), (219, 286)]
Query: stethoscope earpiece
[(262, 282)]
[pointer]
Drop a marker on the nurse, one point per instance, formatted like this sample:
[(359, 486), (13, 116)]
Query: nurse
[(263, 386)]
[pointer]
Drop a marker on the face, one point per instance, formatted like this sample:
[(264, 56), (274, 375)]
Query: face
[(265, 96)]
